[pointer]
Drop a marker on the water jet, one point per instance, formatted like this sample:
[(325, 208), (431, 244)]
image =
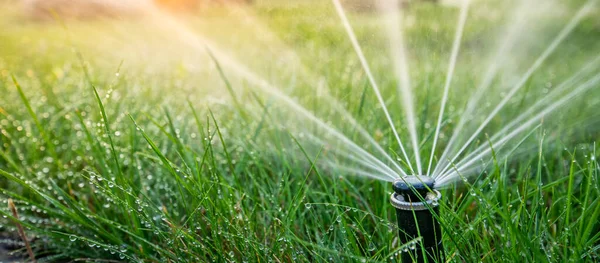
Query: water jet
[(416, 203)]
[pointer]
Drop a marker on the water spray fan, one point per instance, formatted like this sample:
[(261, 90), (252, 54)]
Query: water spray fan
[(416, 203)]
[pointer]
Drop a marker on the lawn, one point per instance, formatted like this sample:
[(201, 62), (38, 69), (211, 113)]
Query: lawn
[(195, 137)]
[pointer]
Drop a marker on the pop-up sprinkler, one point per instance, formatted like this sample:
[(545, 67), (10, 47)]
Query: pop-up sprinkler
[(416, 202)]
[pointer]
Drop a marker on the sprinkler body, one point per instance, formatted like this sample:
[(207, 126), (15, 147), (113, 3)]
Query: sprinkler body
[(416, 204)]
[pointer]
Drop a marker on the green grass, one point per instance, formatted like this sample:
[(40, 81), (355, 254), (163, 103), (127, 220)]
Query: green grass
[(120, 141)]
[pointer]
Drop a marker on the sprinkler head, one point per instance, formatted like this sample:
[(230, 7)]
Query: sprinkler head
[(413, 188), (416, 204)]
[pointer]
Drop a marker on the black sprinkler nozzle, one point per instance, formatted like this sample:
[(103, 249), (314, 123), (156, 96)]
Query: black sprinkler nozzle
[(411, 187), (416, 203)]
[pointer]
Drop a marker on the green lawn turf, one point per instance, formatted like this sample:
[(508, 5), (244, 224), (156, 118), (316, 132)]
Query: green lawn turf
[(122, 139)]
